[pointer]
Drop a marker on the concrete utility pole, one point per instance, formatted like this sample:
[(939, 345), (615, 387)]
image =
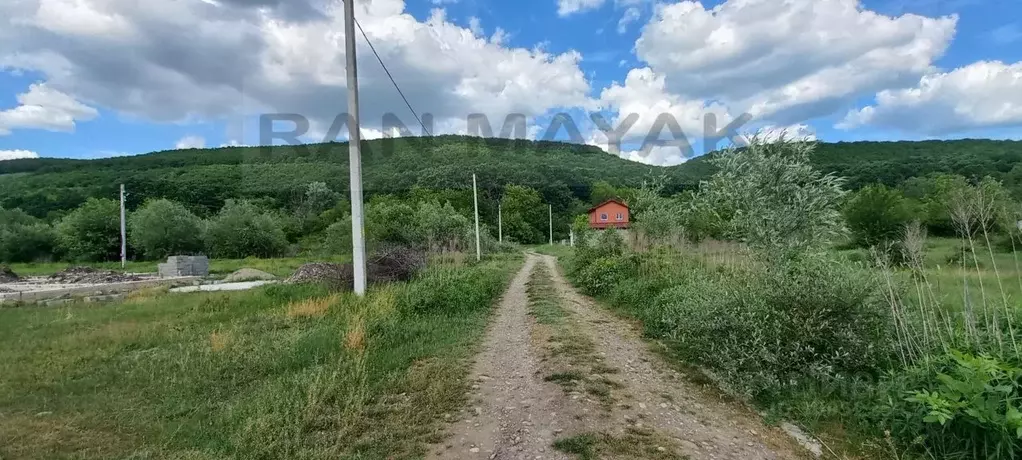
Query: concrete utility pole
[(475, 196), (354, 153), (500, 222), (551, 225), (124, 240)]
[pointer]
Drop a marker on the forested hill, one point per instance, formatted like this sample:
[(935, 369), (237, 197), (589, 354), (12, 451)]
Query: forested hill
[(204, 178)]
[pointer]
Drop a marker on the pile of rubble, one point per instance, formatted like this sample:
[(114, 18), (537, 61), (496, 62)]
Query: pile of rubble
[(89, 275), (336, 276), (248, 274), (385, 266), (7, 275)]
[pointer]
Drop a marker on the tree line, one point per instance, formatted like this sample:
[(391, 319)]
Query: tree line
[(319, 223)]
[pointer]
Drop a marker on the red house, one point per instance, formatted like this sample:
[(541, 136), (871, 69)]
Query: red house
[(609, 214)]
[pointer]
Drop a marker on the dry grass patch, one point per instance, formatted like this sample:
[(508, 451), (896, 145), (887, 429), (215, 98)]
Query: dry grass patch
[(313, 307), (142, 295), (218, 341)]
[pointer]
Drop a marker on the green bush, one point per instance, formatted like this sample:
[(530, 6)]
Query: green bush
[(242, 230), (27, 243), (877, 215), (92, 232), (764, 332), (453, 290), (603, 274), (162, 228), (957, 406)]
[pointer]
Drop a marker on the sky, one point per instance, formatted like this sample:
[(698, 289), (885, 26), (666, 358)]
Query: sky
[(668, 79)]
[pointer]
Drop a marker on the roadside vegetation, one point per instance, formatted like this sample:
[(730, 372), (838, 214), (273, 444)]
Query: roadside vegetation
[(283, 371), (828, 308)]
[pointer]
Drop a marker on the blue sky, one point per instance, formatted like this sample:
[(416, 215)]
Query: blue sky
[(92, 78)]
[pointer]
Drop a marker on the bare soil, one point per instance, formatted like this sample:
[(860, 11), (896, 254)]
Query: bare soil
[(650, 410)]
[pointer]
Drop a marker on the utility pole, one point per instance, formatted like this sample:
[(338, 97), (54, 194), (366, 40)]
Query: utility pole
[(354, 153), (124, 241), (500, 222), (551, 225), (475, 197)]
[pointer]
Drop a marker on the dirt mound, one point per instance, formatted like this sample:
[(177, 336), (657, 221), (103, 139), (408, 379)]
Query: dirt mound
[(336, 276), (248, 274), (89, 275), (7, 275), (395, 264)]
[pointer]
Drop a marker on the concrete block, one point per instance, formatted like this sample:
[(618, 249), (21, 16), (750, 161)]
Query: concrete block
[(178, 266)]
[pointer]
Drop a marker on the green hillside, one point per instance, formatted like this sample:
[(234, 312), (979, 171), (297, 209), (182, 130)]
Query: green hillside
[(204, 178)]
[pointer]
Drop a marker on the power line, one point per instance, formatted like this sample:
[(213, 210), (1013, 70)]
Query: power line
[(391, 77)]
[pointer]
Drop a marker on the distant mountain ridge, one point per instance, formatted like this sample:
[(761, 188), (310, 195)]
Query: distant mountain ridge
[(204, 178)]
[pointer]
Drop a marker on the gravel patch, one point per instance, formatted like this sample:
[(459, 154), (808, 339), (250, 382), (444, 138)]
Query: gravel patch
[(89, 275)]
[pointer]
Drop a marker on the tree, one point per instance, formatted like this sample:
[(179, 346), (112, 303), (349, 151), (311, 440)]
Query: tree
[(389, 220), (162, 228), (770, 196), (524, 214), (442, 228), (92, 232), (241, 230), (937, 194), (877, 215), (24, 238)]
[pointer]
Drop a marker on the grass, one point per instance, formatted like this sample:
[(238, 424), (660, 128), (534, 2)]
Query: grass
[(577, 350), (281, 267), (277, 372)]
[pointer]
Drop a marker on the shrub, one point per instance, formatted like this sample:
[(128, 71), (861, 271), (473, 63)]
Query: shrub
[(955, 406), (92, 232), (601, 275), (453, 290), (27, 243), (242, 230), (764, 332), (162, 228), (877, 215), (770, 196), (391, 222), (336, 238)]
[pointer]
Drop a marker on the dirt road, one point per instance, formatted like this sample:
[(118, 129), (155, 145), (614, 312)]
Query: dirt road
[(613, 399)]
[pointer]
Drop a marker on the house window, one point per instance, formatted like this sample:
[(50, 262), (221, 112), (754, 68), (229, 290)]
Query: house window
[(620, 217), (603, 216)]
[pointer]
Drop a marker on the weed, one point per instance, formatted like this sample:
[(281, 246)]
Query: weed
[(312, 307)]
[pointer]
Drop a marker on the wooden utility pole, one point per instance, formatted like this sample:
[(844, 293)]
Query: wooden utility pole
[(500, 222), (475, 197), (551, 225), (124, 236), (354, 153)]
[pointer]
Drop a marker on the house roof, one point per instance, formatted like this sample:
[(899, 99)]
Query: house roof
[(622, 203)]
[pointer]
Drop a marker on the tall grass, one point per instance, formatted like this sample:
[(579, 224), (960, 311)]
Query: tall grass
[(277, 372)]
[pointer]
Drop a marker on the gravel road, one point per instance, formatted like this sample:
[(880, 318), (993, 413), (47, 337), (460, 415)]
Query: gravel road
[(515, 414)]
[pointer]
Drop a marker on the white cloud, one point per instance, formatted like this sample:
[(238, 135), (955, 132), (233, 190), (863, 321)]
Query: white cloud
[(772, 134), (985, 94), (17, 154), (788, 61), (199, 61), (631, 15), (191, 142), (644, 94), (43, 107), (569, 7)]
